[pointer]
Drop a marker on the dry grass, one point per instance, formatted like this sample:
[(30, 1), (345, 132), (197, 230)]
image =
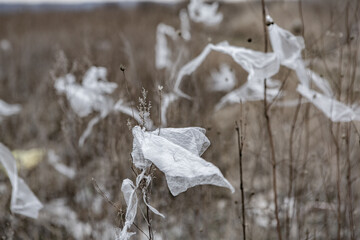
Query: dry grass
[(109, 37)]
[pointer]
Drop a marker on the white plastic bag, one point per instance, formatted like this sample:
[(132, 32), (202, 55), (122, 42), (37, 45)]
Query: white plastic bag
[(23, 200), (8, 109), (204, 13), (176, 152)]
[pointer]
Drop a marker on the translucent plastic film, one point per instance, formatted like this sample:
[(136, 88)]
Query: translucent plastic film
[(176, 152), (23, 200)]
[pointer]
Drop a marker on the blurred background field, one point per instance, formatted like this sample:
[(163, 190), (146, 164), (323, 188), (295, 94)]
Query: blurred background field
[(38, 46)]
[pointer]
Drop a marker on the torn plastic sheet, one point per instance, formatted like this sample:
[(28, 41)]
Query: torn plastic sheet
[(249, 91), (54, 160), (285, 45), (162, 51), (185, 25), (201, 12), (23, 200), (166, 100), (95, 80), (320, 82), (8, 109), (222, 80), (288, 48), (129, 191), (92, 96), (176, 152), (333, 109), (86, 98), (259, 65)]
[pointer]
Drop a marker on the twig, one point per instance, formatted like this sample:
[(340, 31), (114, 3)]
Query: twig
[(268, 127), (240, 138), (123, 69)]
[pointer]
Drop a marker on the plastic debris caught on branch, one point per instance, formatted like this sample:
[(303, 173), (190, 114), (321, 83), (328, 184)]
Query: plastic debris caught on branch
[(54, 160), (201, 12), (162, 50), (166, 100), (92, 95), (176, 152), (184, 25), (259, 65), (23, 200), (333, 109), (249, 91), (8, 109), (222, 80), (129, 191), (288, 49)]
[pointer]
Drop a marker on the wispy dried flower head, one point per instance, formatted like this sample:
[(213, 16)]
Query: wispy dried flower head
[(122, 67)]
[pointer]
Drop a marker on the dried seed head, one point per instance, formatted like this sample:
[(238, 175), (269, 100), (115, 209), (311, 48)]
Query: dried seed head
[(122, 67)]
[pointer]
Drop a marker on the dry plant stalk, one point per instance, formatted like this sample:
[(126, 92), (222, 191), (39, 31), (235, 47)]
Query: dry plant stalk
[(268, 127), (240, 129)]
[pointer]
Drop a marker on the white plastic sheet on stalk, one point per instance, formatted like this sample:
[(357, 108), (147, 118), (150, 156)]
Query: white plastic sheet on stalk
[(333, 109), (129, 191), (8, 109), (185, 25), (176, 152), (23, 200), (166, 100), (162, 50), (259, 65), (91, 95), (288, 49), (250, 91), (201, 12), (222, 80), (55, 161)]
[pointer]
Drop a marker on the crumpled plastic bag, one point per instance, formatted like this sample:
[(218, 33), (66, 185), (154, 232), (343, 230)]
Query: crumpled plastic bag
[(176, 152), (23, 200), (201, 12), (8, 109), (91, 95), (222, 80)]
